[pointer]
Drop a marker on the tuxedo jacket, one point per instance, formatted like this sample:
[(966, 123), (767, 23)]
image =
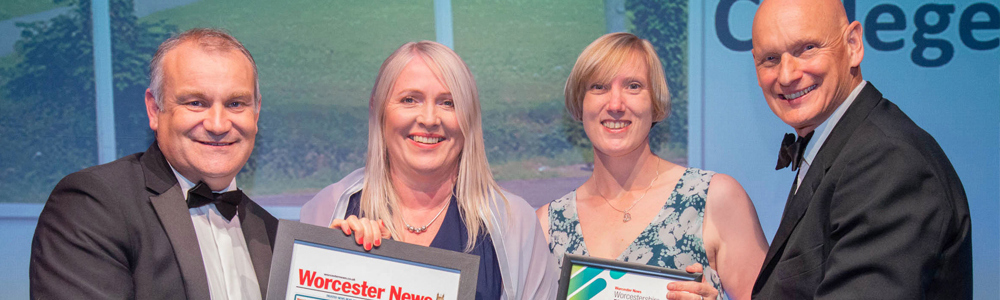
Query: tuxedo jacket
[(122, 230), (880, 213)]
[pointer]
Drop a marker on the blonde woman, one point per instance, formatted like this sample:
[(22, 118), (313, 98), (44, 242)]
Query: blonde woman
[(427, 181), (637, 207)]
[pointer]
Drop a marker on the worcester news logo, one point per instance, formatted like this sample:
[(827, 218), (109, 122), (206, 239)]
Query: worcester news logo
[(338, 287), (977, 23)]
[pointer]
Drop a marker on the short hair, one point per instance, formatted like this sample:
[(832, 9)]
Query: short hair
[(475, 188), (603, 59), (209, 39)]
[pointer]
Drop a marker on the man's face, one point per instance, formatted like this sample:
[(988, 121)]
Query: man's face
[(208, 121), (804, 60)]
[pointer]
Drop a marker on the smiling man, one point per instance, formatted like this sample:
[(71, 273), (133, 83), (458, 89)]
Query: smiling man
[(876, 210), (168, 223)]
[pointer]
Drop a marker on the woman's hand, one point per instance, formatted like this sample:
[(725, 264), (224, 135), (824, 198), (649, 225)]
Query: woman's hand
[(366, 232), (692, 290)]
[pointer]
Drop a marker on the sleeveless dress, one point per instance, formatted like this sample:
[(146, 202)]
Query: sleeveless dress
[(672, 239)]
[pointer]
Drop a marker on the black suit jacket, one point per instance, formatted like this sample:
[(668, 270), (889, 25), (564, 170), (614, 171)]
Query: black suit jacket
[(880, 213), (122, 230)]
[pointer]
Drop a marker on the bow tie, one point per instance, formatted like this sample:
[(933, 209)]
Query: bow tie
[(201, 195), (791, 151)]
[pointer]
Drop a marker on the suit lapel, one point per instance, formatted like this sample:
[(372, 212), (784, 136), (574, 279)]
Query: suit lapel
[(798, 202), (795, 208), (168, 202), (177, 223), (259, 241)]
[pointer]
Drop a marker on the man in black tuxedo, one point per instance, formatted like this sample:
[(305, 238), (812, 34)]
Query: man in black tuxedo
[(156, 224), (876, 210)]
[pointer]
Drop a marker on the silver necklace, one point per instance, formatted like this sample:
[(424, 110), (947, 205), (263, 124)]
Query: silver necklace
[(628, 217), (424, 228)]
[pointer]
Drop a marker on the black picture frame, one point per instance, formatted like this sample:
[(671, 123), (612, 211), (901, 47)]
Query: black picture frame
[(571, 259), (291, 231)]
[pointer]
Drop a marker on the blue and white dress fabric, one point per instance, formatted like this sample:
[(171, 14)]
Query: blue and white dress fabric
[(672, 240)]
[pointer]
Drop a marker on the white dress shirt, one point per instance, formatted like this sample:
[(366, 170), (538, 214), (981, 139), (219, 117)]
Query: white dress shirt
[(822, 132), (223, 249)]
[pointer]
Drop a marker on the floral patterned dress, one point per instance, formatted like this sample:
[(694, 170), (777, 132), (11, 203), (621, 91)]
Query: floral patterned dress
[(672, 240)]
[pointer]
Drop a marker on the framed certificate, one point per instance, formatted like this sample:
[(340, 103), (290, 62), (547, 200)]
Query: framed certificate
[(585, 277), (312, 262)]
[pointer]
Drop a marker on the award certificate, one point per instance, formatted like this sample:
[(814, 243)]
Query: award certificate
[(312, 262), (586, 277)]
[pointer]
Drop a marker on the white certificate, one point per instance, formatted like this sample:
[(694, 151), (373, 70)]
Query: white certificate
[(312, 262), (594, 278)]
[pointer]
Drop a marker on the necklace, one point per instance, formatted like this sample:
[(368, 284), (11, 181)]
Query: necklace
[(628, 217), (424, 228)]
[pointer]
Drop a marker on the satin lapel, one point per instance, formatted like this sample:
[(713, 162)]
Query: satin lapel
[(795, 208), (253, 222), (157, 171), (798, 202), (168, 202), (176, 221)]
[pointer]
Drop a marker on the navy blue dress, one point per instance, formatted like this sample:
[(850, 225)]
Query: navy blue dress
[(452, 236)]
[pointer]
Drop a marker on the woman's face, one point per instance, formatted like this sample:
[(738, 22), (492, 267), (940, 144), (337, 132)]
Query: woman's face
[(618, 115), (421, 128)]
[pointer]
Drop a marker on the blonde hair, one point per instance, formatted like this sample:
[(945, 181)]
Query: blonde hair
[(475, 187), (601, 61)]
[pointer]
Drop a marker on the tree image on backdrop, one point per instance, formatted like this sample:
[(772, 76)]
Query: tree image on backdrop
[(314, 119), (48, 96)]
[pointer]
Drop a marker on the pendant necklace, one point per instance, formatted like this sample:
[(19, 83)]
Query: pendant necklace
[(628, 217), (424, 228)]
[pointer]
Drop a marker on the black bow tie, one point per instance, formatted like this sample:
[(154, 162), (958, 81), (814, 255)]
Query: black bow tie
[(201, 195), (791, 151)]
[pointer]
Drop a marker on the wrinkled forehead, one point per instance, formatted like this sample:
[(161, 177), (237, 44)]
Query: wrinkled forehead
[(778, 26), (191, 64), (775, 15)]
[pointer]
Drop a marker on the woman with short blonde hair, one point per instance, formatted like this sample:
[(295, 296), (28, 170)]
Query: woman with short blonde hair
[(637, 207), (602, 59)]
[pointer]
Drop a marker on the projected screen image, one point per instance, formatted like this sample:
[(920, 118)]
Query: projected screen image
[(317, 63)]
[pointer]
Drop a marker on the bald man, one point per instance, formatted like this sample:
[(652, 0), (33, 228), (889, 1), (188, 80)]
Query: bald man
[(876, 209)]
